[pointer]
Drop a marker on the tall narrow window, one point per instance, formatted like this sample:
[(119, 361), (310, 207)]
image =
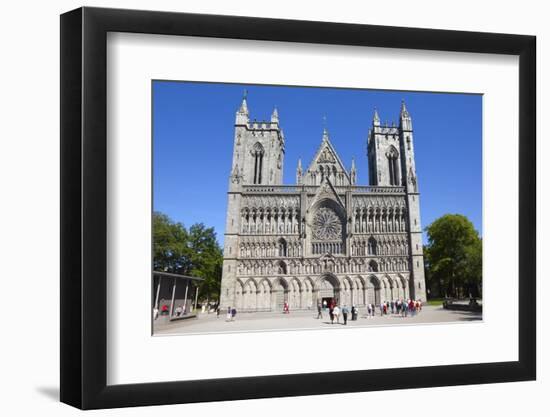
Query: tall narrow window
[(393, 168), (258, 155)]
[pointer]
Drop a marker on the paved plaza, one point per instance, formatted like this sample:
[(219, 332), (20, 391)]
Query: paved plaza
[(300, 320)]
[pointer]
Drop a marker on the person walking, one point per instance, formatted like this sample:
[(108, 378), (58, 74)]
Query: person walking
[(319, 310), (331, 313), (336, 313), (392, 305), (345, 313), (228, 317), (233, 313)]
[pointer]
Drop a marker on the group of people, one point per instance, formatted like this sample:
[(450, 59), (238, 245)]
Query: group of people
[(231, 313), (404, 308), (335, 312), (401, 307)]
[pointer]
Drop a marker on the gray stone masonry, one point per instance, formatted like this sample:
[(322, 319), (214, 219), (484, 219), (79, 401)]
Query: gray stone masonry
[(325, 237)]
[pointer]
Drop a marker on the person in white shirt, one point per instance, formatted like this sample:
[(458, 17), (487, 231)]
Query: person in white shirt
[(336, 313)]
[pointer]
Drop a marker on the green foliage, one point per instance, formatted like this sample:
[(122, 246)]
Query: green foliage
[(453, 257), (192, 252)]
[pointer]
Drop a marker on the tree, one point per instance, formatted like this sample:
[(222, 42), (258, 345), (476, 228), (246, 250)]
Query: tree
[(192, 252), (453, 256)]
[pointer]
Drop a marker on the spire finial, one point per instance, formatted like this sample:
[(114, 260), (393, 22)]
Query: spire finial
[(403, 107), (325, 131), (275, 115), (241, 117), (299, 172), (353, 172), (244, 107), (376, 118)]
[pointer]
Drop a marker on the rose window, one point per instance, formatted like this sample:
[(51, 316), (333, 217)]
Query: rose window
[(326, 225)]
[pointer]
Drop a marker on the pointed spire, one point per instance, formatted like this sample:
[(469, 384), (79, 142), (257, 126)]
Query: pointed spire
[(299, 172), (404, 111), (325, 131), (405, 122), (353, 163), (275, 115), (353, 172), (244, 106), (376, 118), (242, 114)]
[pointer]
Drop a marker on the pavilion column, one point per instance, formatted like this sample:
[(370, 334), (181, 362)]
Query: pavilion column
[(185, 297), (157, 294), (196, 296), (173, 298)]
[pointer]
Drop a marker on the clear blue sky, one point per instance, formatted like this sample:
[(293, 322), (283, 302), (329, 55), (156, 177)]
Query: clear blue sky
[(193, 127)]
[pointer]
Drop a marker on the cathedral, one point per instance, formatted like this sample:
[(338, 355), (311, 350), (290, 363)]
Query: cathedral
[(324, 237)]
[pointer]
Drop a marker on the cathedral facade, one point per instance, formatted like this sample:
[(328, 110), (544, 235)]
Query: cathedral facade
[(324, 237)]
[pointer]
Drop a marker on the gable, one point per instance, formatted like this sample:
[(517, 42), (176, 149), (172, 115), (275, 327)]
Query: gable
[(326, 191), (326, 162)]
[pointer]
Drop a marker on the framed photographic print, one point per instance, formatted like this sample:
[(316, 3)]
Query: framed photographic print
[(256, 208)]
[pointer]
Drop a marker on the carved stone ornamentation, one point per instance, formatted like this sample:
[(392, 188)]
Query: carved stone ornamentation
[(326, 225)]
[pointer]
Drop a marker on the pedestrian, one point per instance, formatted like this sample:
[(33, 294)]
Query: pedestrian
[(345, 313), (319, 310), (392, 305), (354, 313), (368, 310), (324, 304), (385, 308), (228, 317), (331, 314), (411, 307), (218, 312), (233, 313), (336, 313)]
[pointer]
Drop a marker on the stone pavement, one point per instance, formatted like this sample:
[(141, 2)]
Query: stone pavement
[(301, 320)]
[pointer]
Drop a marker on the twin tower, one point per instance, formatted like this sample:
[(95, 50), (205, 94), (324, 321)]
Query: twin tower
[(259, 149), (325, 236)]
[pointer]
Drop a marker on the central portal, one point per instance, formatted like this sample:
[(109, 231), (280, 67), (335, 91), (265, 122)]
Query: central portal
[(329, 289)]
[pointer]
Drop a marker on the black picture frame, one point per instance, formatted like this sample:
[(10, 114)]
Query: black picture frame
[(84, 207)]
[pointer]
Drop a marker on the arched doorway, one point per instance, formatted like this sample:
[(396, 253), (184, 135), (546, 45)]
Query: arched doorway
[(280, 289), (373, 290), (328, 289)]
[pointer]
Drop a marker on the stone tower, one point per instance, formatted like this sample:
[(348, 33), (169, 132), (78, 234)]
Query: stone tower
[(390, 153), (258, 157)]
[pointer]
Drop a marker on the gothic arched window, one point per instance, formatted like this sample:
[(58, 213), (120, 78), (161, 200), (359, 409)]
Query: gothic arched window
[(373, 266), (392, 156), (371, 248), (258, 155), (282, 247)]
